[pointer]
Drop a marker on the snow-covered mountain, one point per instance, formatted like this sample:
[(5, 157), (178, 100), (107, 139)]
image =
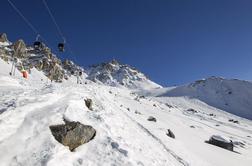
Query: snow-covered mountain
[(231, 95), (42, 59), (115, 74), (131, 128)]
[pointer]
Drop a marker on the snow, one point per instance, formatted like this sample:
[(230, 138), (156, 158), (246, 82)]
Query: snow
[(115, 74), (231, 95), (220, 138), (3, 44), (29, 106)]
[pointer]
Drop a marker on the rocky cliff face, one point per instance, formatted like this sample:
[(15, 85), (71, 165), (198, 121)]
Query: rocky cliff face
[(44, 60), (3, 38), (115, 74)]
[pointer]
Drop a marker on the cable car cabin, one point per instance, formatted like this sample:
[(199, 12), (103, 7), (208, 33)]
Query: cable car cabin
[(61, 47), (37, 45)]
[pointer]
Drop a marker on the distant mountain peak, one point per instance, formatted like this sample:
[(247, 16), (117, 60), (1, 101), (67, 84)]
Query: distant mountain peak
[(231, 95), (115, 73)]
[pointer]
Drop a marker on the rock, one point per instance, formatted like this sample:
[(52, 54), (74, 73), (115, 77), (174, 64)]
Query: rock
[(211, 115), (3, 37), (128, 109), (136, 112), (89, 104), (168, 105), (191, 110), (137, 98), (55, 72), (221, 142), (170, 134), (72, 134), (19, 49), (234, 121), (154, 105), (114, 62), (239, 143), (151, 118)]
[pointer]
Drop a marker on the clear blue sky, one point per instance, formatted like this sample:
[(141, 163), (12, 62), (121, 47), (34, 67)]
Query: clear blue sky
[(171, 41)]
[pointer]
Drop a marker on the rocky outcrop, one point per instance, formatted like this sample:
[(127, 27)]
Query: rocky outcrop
[(3, 38), (115, 74), (72, 68), (72, 134), (42, 59), (19, 49)]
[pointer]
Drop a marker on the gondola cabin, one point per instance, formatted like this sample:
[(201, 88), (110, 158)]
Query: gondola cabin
[(61, 47)]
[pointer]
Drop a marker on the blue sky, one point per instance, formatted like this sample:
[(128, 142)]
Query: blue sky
[(171, 41)]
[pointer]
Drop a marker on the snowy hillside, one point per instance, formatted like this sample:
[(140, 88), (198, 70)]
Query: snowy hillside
[(115, 74), (231, 95), (136, 121), (124, 135)]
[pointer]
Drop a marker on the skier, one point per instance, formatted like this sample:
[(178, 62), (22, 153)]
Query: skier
[(79, 75), (24, 73)]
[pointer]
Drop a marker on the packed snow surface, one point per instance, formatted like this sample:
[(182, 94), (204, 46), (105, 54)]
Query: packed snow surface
[(124, 135)]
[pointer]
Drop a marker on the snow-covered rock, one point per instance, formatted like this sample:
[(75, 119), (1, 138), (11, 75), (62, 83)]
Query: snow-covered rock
[(222, 142)]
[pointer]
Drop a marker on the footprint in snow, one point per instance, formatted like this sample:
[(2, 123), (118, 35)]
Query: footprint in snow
[(115, 145)]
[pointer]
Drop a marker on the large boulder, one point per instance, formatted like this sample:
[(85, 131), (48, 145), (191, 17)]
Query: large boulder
[(221, 141), (3, 38), (72, 134)]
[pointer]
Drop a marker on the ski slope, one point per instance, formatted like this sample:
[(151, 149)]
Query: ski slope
[(124, 136)]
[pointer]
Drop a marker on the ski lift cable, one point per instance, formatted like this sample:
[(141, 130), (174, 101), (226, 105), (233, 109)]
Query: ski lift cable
[(58, 29), (54, 20), (27, 21), (23, 17)]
